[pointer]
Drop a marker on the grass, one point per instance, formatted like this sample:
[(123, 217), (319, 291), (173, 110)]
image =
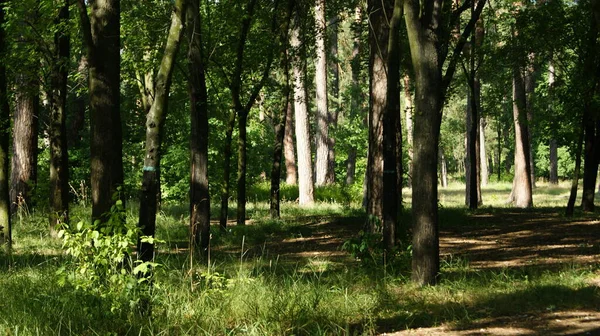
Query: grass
[(250, 287)]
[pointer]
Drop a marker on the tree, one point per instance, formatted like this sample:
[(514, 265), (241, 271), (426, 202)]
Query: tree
[(59, 164), (154, 132), (291, 171), (5, 220), (199, 195), (429, 34), (305, 175), (322, 114), (101, 33)]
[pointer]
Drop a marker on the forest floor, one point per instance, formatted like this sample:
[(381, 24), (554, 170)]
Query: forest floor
[(496, 240)]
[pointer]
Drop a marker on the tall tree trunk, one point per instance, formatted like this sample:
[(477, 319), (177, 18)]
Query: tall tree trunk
[(529, 79), (356, 94), (288, 146), (335, 92), (484, 170), (199, 195), (553, 162), (472, 186), (443, 169), (5, 219), (241, 167), (391, 118), (23, 177), (59, 164), (521, 194), (101, 31), (226, 171), (408, 111), (154, 132), (378, 58), (322, 114), (305, 175), (573, 194)]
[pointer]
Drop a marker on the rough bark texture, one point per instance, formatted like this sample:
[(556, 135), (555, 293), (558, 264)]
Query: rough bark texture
[(521, 194), (5, 219), (322, 114), (378, 56), (23, 177), (154, 132), (291, 171), (101, 31), (199, 195), (59, 164), (305, 175), (391, 117)]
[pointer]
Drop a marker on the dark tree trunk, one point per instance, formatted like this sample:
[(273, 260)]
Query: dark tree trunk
[(154, 132), (291, 170), (59, 164), (391, 118), (378, 58), (573, 194), (5, 220), (226, 171), (351, 166), (199, 195), (241, 180), (553, 161), (23, 177), (101, 32)]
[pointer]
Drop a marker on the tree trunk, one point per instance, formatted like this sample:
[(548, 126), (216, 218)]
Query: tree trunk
[(472, 157), (305, 175), (5, 219), (484, 170), (521, 194), (226, 171), (335, 91), (573, 194), (356, 95), (443, 169), (102, 36), (553, 162), (199, 192), (351, 166), (23, 176), (378, 58), (154, 132), (59, 164), (391, 118), (241, 167), (322, 114), (288, 146), (408, 111), (529, 92)]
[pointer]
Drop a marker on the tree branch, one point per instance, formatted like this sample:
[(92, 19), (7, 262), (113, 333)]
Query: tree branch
[(86, 28)]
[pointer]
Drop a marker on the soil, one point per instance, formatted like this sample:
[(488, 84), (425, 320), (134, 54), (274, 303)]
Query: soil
[(505, 238)]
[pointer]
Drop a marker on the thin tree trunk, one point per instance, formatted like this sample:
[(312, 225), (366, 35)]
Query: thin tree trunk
[(408, 111), (288, 146), (356, 95), (59, 164), (199, 192), (485, 173), (378, 58), (573, 194), (5, 219), (335, 91), (242, 158), (443, 169), (553, 161), (305, 175), (391, 119), (226, 171), (351, 166), (322, 114), (529, 92), (101, 31)]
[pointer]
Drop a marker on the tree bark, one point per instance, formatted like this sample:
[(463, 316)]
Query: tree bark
[(521, 194), (378, 58), (356, 94), (199, 192), (305, 175), (59, 164), (288, 146), (335, 92), (154, 132), (408, 111), (101, 31), (23, 177), (322, 114), (443, 169), (391, 118), (553, 162), (226, 171), (5, 218), (573, 194), (484, 170), (529, 80)]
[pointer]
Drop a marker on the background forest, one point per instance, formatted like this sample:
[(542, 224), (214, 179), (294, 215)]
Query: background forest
[(297, 167)]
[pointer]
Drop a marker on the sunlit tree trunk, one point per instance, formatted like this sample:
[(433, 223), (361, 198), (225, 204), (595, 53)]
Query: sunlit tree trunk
[(335, 93), (443, 169), (289, 152), (356, 90), (408, 111), (484, 170), (59, 164), (199, 195), (521, 194), (305, 175), (101, 31), (5, 219), (322, 114)]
